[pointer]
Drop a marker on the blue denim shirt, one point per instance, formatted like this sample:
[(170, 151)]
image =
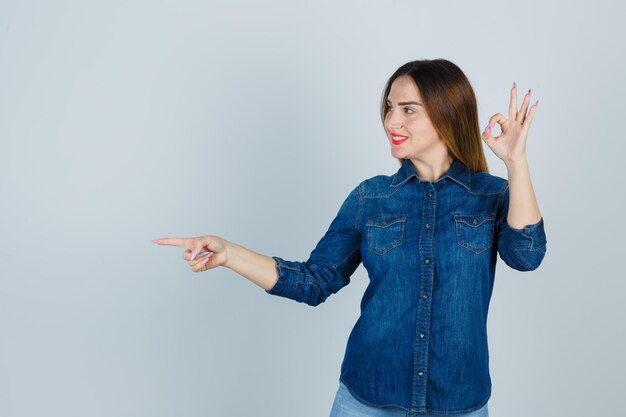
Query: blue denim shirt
[(430, 250)]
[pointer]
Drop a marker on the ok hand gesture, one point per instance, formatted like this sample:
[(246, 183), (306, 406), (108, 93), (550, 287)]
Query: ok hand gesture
[(510, 146)]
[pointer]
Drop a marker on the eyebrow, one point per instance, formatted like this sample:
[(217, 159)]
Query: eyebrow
[(404, 103)]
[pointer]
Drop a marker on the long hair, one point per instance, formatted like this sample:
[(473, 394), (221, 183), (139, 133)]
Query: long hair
[(450, 103)]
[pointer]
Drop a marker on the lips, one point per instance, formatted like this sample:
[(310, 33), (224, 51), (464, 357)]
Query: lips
[(398, 139)]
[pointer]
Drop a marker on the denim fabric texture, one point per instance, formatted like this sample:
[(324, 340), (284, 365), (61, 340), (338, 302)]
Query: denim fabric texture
[(430, 251)]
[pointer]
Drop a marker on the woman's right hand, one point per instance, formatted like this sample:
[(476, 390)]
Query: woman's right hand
[(201, 253)]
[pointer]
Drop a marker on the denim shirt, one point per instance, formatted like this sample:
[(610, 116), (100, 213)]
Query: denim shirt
[(430, 251)]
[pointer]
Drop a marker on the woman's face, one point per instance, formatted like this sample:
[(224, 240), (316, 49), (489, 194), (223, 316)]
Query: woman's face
[(407, 117)]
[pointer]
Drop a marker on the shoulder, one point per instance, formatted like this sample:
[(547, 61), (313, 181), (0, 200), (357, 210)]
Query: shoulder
[(485, 183), (378, 186)]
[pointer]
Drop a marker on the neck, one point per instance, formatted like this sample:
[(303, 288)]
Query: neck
[(431, 170)]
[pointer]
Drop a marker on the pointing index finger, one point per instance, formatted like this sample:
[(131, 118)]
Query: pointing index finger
[(172, 241)]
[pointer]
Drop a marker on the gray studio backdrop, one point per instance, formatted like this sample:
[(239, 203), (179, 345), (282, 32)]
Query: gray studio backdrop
[(125, 121)]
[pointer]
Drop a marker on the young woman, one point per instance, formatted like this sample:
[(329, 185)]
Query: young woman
[(428, 236)]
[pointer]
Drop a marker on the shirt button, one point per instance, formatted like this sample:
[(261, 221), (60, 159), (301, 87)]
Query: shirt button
[(474, 221), (420, 373), (427, 261), (430, 194), (427, 225), (424, 296), (422, 335)]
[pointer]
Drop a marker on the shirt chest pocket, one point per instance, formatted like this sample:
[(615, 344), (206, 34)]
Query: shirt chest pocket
[(384, 233), (475, 231)]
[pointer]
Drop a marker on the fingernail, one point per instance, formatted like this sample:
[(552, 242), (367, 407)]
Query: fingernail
[(194, 253), (204, 261), (203, 254)]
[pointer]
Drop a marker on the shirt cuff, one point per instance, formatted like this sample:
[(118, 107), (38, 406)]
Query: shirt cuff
[(284, 277), (530, 237)]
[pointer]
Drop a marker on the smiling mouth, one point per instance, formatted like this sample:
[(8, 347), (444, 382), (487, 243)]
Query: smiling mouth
[(398, 141)]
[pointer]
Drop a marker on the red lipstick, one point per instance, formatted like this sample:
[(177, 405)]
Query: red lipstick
[(398, 139)]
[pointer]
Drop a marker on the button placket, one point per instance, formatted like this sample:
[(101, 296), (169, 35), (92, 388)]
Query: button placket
[(425, 250)]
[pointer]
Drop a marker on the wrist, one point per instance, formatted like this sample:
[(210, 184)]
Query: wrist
[(230, 251), (516, 165)]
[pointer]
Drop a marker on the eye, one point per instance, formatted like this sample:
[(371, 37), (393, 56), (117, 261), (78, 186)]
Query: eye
[(406, 108)]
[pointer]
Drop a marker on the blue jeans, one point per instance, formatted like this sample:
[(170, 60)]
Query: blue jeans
[(345, 405)]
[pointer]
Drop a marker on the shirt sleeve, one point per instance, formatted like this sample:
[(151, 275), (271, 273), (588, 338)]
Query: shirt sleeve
[(521, 249), (330, 265)]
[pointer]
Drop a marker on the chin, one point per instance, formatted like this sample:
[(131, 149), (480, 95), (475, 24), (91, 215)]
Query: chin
[(399, 154)]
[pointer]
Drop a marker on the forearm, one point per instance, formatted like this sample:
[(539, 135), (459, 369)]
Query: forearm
[(523, 207), (254, 266)]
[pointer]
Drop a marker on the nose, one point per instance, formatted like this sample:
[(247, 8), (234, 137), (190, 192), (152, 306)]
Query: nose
[(393, 121), (394, 124)]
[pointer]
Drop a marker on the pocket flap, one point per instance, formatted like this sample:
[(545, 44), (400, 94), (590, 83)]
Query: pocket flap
[(474, 220), (384, 221)]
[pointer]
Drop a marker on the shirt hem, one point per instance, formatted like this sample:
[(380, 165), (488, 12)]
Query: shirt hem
[(427, 410)]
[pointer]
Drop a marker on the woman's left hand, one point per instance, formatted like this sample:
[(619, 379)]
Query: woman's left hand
[(510, 146)]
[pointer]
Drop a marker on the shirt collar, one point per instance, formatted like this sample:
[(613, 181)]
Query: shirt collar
[(457, 172)]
